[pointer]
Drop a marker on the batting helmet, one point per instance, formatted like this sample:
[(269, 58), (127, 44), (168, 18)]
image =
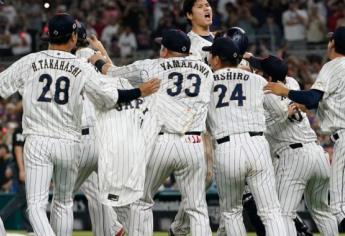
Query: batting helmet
[(239, 37), (81, 32)]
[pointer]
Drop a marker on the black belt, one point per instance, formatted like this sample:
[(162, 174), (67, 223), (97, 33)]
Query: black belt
[(296, 145), (227, 138), (187, 133), (85, 131), (335, 136)]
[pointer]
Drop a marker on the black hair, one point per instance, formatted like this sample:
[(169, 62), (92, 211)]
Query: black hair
[(82, 43), (339, 49), (187, 8), (227, 62)]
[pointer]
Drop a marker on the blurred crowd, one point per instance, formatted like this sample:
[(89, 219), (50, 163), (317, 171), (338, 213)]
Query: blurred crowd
[(295, 30)]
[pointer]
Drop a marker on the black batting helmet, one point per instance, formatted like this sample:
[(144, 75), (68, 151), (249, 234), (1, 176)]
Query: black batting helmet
[(82, 35), (239, 37)]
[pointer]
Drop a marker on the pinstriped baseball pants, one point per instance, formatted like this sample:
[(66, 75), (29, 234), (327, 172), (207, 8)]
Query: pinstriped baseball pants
[(183, 156), (337, 188), (246, 159), (45, 159), (305, 170), (103, 218)]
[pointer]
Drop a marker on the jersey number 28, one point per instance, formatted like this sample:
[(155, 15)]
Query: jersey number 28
[(237, 95), (61, 89)]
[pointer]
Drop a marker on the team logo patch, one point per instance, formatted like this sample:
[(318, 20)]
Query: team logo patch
[(113, 197)]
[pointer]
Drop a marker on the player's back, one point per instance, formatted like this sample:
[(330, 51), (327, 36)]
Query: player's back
[(286, 131), (51, 84), (187, 80), (236, 103)]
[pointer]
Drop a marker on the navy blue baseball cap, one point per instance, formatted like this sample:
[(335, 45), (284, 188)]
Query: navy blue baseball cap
[(61, 25), (225, 48), (175, 40), (339, 38), (271, 65)]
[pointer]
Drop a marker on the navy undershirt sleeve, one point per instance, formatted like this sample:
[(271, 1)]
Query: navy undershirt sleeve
[(128, 95), (310, 98)]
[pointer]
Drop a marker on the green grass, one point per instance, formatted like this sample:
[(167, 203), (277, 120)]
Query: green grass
[(88, 233)]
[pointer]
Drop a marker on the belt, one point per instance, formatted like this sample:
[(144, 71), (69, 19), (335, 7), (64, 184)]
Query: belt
[(335, 136), (296, 145), (227, 138), (85, 131), (187, 133)]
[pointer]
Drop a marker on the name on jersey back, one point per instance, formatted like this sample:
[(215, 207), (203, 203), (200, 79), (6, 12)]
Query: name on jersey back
[(56, 65), (197, 65), (231, 76)]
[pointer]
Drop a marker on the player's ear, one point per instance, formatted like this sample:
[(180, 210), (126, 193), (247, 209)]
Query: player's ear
[(189, 16), (163, 52)]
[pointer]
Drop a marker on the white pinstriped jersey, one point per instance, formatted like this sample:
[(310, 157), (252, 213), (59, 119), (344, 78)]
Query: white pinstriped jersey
[(127, 134), (88, 118), (186, 80), (197, 43), (52, 83), (331, 110), (236, 103), (281, 130)]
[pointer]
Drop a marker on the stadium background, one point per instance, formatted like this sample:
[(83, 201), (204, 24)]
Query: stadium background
[(127, 29)]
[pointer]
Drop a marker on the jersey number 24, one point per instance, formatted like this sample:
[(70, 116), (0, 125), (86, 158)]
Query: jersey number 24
[(61, 89), (236, 95)]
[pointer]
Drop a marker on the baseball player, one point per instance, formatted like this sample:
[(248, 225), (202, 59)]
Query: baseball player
[(236, 120), (103, 218), (51, 83), (327, 94), (186, 80), (199, 15), (303, 167)]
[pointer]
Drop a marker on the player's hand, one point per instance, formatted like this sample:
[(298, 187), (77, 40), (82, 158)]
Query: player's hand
[(95, 43), (21, 176), (149, 87), (277, 89), (292, 109), (247, 55), (95, 57), (301, 107)]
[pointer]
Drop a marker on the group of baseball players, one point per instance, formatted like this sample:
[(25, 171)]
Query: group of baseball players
[(117, 132)]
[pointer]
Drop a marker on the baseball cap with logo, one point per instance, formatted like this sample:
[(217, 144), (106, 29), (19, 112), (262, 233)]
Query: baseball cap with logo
[(61, 26), (271, 65), (175, 40), (339, 39), (225, 48)]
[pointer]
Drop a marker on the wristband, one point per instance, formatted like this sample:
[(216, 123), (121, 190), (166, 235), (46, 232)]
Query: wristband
[(99, 64)]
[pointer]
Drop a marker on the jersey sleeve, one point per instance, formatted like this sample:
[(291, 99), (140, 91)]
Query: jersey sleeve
[(329, 78), (276, 109), (136, 73), (175, 116), (322, 82), (18, 138), (101, 90), (11, 79)]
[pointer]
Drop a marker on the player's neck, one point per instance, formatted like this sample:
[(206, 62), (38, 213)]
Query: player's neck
[(200, 30), (335, 55), (58, 47)]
